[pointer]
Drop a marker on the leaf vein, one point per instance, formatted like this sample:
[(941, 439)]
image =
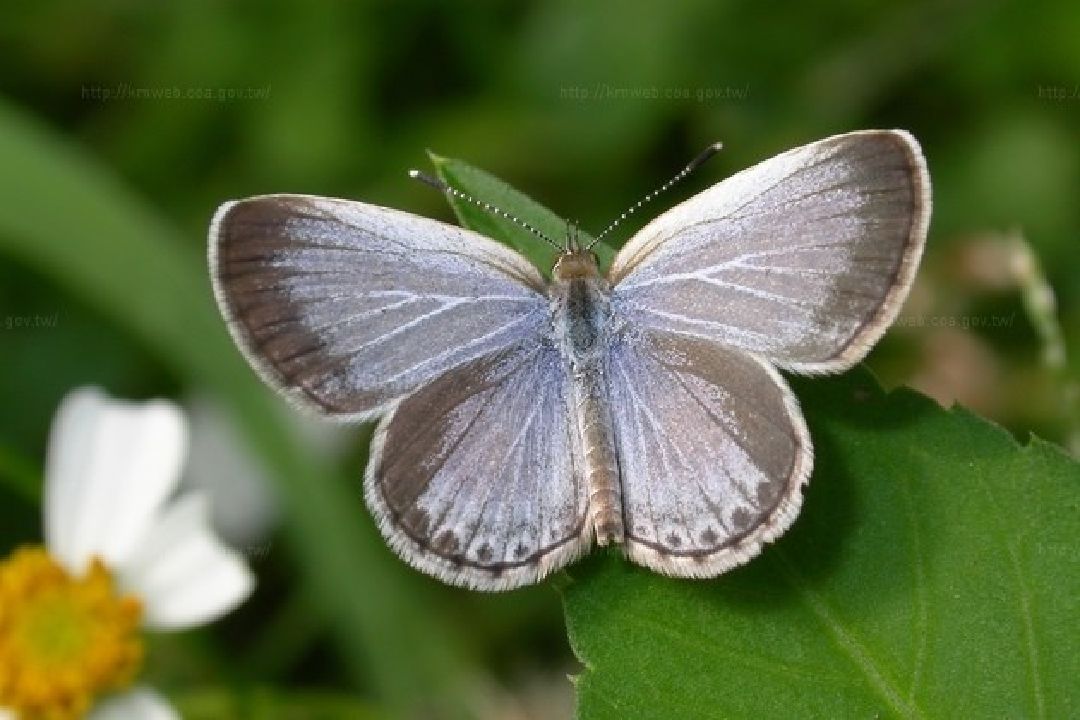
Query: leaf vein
[(847, 642)]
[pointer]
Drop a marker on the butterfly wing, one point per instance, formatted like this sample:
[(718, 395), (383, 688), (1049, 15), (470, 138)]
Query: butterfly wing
[(344, 306), (472, 478), (713, 452), (803, 259)]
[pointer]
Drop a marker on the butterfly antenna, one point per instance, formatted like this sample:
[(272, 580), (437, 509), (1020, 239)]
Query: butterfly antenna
[(486, 207), (691, 167)]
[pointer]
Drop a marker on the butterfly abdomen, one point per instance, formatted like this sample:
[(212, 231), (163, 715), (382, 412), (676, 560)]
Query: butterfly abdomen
[(601, 467), (581, 319)]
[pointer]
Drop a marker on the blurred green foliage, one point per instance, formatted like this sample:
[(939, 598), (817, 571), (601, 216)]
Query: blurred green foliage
[(125, 124)]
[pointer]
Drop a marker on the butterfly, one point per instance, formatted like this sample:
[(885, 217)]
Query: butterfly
[(522, 419)]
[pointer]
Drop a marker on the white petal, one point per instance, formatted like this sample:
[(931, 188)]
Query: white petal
[(8, 714), (141, 703), (182, 573), (243, 508), (110, 467)]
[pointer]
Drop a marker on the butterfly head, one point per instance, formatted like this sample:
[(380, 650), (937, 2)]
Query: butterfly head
[(576, 260), (576, 263)]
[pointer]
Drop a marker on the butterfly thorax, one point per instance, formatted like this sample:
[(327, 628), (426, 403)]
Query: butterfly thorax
[(581, 311), (581, 320)]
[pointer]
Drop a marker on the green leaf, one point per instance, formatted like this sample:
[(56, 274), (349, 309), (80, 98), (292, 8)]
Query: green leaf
[(488, 188), (20, 475), (271, 704), (933, 573), (65, 216)]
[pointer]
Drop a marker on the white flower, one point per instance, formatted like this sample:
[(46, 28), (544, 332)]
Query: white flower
[(120, 553), (243, 506)]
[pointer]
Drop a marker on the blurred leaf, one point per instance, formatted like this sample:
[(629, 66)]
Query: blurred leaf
[(493, 191), (20, 475), (66, 217), (933, 574), (284, 638), (268, 704)]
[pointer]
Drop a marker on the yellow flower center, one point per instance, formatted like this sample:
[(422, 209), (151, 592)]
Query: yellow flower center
[(63, 640)]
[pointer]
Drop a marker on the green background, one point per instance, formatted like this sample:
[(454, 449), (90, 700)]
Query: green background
[(124, 124)]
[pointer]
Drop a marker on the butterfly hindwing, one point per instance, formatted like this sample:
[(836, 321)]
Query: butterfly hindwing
[(475, 478), (713, 452)]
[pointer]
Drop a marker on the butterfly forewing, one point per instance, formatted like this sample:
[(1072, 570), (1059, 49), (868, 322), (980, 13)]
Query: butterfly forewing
[(346, 306), (475, 477), (803, 259), (713, 452)]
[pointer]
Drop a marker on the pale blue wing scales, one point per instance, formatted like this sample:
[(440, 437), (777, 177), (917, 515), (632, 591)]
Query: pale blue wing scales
[(804, 258), (345, 306), (473, 477), (713, 452)]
